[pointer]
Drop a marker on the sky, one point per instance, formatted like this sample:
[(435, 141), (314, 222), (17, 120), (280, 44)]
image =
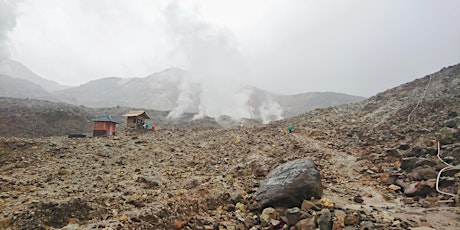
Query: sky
[(357, 47)]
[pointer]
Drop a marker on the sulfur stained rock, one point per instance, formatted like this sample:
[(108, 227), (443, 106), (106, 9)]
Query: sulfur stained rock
[(268, 214)]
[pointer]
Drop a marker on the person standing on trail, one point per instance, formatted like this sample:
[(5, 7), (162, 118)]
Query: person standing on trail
[(290, 128)]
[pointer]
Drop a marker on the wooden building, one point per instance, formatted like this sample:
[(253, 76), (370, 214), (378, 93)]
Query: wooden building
[(136, 119), (104, 126)]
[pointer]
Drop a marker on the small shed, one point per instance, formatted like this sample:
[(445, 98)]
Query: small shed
[(105, 125), (135, 119)]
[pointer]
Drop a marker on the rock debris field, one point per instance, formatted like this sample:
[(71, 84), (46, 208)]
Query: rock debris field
[(377, 161)]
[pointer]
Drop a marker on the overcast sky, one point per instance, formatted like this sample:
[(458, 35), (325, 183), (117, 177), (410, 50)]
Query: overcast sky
[(354, 47)]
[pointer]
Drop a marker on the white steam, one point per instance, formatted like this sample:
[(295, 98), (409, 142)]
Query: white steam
[(187, 99), (213, 60), (270, 111)]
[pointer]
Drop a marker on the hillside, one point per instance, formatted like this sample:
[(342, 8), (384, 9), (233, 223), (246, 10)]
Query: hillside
[(18, 70), (19, 88), (377, 159), (38, 118), (171, 90)]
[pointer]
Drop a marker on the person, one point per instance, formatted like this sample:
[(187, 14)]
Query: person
[(290, 128)]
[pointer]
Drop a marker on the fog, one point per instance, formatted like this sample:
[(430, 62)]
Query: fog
[(286, 47)]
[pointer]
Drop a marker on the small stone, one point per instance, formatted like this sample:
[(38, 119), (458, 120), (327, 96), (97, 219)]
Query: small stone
[(404, 146), (339, 221), (306, 224), (32, 188), (274, 222), (123, 218), (235, 198), (177, 224), (351, 219), (62, 172), (421, 188), (408, 200), (240, 206), (358, 199), (249, 222), (325, 220), (423, 173), (268, 214), (292, 215), (229, 207), (407, 163), (326, 203), (4, 223), (386, 217), (394, 187), (307, 205), (397, 224)]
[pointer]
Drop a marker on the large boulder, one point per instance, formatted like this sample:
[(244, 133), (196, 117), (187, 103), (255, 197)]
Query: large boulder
[(289, 184)]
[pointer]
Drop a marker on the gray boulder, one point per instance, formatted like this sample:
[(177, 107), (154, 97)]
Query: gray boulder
[(289, 184)]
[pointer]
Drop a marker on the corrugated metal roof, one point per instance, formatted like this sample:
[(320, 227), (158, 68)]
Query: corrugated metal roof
[(106, 118), (135, 113)]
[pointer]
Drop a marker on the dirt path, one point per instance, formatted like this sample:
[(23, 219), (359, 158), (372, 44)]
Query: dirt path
[(351, 184)]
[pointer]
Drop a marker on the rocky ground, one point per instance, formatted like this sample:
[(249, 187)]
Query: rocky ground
[(377, 159)]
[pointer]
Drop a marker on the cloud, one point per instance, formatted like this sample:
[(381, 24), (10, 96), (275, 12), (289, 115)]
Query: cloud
[(7, 23)]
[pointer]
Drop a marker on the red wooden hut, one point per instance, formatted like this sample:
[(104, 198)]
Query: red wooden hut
[(104, 126)]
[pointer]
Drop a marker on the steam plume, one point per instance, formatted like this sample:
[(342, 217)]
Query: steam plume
[(213, 60)]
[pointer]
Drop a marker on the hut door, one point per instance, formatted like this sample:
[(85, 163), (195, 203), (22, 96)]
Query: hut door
[(110, 130)]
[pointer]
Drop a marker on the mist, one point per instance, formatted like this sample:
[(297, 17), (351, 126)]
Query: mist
[(285, 47), (7, 23)]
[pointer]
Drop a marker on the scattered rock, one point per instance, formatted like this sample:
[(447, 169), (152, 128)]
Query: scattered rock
[(339, 220), (268, 214), (358, 199), (325, 220), (306, 205), (421, 188), (423, 173), (292, 215), (407, 163), (394, 187), (306, 224), (352, 218)]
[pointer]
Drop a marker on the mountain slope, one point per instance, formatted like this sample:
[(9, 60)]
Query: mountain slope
[(19, 88), (171, 90), (158, 91), (38, 118), (17, 70)]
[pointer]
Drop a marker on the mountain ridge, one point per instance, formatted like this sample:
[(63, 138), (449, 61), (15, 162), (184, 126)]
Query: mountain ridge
[(173, 90), (16, 69)]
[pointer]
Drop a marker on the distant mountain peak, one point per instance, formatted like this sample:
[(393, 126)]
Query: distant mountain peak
[(18, 70)]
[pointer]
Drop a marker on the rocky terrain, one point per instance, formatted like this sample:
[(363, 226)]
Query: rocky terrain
[(378, 162), (37, 118)]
